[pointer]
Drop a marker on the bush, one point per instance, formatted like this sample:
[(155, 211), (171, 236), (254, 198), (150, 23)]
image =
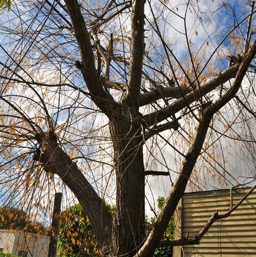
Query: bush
[(16, 219), (76, 237), (8, 255)]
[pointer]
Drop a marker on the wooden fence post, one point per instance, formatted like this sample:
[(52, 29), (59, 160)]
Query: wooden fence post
[(55, 225)]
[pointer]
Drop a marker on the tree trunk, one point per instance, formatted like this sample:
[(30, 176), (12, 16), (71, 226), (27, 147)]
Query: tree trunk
[(129, 230)]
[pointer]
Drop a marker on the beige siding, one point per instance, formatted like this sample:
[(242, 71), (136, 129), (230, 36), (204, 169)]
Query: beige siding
[(233, 236), (13, 241), (7, 240)]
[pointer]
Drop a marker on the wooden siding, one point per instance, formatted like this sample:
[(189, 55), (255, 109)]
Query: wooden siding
[(234, 236)]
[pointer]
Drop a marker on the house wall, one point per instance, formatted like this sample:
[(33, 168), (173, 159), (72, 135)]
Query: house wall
[(16, 241), (234, 236), (7, 240)]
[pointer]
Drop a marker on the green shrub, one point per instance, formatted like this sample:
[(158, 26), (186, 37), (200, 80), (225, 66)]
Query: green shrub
[(8, 255)]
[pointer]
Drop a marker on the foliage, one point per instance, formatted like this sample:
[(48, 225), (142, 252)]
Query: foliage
[(168, 234), (16, 219), (8, 255), (5, 2), (76, 237)]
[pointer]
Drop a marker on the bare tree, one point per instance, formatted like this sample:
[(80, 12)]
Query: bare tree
[(99, 94)]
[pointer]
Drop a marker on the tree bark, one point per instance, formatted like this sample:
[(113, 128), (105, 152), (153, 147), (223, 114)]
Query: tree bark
[(129, 229), (154, 237), (56, 161)]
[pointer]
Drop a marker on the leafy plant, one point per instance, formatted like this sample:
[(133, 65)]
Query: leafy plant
[(14, 218), (76, 237), (8, 255), (5, 2), (168, 234)]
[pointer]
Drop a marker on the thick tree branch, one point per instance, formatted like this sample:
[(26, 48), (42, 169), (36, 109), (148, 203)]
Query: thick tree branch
[(237, 71), (56, 161), (93, 82), (157, 173), (137, 50), (243, 67), (172, 201), (154, 95), (114, 85), (160, 115), (158, 129)]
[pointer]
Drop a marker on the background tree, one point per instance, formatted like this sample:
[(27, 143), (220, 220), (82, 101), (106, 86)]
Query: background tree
[(76, 237), (16, 219), (97, 95)]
